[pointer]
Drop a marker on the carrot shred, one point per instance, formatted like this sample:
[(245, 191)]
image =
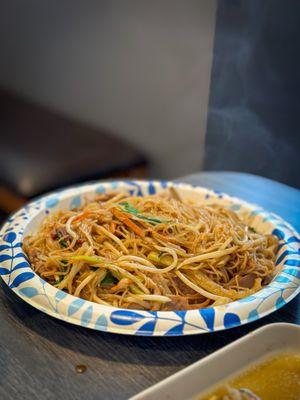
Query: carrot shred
[(127, 221), (82, 216), (112, 227), (122, 284)]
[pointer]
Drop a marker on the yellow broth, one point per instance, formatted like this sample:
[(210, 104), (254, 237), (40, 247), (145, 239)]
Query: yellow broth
[(277, 377)]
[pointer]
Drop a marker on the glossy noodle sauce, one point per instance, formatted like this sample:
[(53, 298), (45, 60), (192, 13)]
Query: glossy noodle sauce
[(276, 378), (154, 252)]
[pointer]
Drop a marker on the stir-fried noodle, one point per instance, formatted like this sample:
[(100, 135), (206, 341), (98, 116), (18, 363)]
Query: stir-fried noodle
[(154, 252)]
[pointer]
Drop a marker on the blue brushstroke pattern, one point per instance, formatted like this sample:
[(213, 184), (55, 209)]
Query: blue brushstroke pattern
[(19, 255), (60, 295), (293, 263), (253, 315), (86, 316), (285, 254), (282, 279), (292, 271), (100, 189), (76, 202), (181, 314), (293, 239), (23, 277), (231, 320), (208, 314), (280, 302), (10, 237), (29, 291), (151, 188), (52, 202), (75, 306), (4, 257), (4, 271), (277, 232), (114, 185), (122, 317), (23, 264), (101, 323), (147, 329), (177, 330), (247, 299)]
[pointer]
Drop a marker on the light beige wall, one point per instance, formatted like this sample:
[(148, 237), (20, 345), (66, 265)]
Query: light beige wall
[(139, 68)]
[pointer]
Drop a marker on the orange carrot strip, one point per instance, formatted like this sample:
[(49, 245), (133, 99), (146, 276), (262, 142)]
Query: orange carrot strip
[(124, 218), (112, 227), (82, 216), (134, 227), (122, 284)]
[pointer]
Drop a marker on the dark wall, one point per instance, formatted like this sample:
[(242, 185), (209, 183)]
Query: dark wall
[(254, 109), (137, 68)]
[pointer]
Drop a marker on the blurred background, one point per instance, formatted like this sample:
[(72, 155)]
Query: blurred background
[(147, 89)]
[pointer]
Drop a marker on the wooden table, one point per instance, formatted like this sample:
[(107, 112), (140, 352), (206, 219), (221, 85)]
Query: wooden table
[(38, 354)]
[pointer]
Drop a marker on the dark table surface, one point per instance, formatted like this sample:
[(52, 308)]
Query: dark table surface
[(38, 354)]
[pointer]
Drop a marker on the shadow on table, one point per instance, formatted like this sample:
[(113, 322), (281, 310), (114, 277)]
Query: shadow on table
[(158, 351)]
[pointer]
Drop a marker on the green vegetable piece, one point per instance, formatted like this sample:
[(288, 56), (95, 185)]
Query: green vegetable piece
[(109, 279), (63, 243), (132, 210), (63, 265), (135, 290)]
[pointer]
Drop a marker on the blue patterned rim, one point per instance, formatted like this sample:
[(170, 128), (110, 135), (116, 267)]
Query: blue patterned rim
[(18, 275)]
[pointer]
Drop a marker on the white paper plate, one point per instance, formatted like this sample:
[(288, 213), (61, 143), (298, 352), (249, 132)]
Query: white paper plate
[(18, 275)]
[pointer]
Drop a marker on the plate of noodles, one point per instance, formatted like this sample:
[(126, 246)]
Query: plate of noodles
[(149, 258)]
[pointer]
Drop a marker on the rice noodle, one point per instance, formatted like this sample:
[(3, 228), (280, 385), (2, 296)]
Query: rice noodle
[(155, 252)]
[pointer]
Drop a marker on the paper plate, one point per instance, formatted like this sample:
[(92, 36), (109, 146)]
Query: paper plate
[(18, 275)]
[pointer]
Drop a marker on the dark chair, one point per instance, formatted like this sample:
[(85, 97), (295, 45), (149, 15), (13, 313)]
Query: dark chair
[(41, 150)]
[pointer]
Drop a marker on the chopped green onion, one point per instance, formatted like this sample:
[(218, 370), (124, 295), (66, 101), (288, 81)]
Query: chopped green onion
[(160, 258), (109, 279), (135, 290), (92, 259), (63, 243), (97, 259), (154, 256), (153, 297), (132, 210)]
